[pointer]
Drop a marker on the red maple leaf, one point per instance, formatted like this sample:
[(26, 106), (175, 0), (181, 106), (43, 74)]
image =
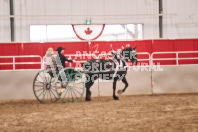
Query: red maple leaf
[(88, 31)]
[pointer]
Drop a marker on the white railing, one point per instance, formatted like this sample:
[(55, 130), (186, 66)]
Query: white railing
[(144, 53), (151, 58), (81, 56), (177, 58), (14, 63), (76, 56), (138, 53), (90, 56), (106, 55)]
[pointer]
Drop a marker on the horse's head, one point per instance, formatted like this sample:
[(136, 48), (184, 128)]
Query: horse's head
[(130, 54)]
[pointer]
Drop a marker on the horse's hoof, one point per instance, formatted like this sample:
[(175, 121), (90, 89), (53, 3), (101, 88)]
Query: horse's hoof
[(88, 99), (116, 98), (120, 91)]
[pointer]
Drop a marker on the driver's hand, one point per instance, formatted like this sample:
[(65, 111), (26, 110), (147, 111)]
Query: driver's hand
[(74, 61)]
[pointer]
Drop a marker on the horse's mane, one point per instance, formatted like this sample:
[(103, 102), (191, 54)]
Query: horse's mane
[(127, 49)]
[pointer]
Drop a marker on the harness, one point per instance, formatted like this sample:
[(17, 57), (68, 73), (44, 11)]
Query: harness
[(119, 64)]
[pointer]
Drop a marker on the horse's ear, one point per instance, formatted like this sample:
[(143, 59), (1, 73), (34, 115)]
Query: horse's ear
[(134, 48), (128, 45)]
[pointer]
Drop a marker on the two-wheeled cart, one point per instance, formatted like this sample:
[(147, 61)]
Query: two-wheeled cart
[(68, 86)]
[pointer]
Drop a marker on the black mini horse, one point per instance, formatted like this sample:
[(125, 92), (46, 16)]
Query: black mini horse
[(106, 69)]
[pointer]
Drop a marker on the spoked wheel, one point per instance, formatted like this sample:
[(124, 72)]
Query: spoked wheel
[(70, 85), (44, 88)]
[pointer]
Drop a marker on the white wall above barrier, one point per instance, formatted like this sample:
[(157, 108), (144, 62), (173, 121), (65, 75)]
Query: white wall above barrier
[(175, 79), (17, 84)]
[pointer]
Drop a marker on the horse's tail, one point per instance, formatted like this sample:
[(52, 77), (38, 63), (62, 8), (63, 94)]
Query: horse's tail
[(82, 64), (86, 64)]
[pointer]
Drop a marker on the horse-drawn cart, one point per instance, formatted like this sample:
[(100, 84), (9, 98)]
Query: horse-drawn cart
[(47, 88), (69, 84)]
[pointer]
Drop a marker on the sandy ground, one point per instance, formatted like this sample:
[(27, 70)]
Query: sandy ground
[(160, 113)]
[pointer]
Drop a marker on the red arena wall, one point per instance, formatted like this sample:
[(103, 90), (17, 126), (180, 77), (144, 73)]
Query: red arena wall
[(150, 46)]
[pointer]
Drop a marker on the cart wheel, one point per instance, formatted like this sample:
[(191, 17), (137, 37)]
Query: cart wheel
[(44, 88), (70, 85)]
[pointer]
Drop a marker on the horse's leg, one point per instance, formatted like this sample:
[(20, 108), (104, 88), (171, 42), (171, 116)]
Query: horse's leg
[(126, 83), (120, 91), (114, 88), (88, 92), (89, 82)]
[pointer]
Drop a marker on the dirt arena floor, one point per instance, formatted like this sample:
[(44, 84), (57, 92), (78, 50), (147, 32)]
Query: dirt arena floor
[(160, 113)]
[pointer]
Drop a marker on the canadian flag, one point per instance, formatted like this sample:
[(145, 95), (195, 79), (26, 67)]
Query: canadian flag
[(88, 32)]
